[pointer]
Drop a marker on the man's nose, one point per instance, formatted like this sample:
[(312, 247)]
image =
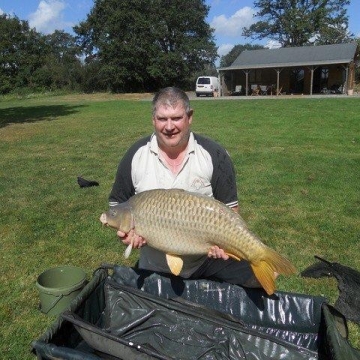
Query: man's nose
[(169, 125)]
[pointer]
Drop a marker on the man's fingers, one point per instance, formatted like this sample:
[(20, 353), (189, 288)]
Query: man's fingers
[(217, 253), (132, 238), (121, 234)]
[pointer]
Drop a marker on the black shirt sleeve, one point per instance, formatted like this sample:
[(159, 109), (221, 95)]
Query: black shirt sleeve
[(123, 187), (223, 181)]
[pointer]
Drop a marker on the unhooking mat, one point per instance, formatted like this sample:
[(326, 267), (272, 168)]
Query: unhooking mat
[(139, 315), (182, 330)]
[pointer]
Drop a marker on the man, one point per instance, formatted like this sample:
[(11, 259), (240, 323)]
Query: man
[(175, 157)]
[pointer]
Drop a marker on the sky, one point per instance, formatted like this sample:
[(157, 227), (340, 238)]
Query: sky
[(227, 17)]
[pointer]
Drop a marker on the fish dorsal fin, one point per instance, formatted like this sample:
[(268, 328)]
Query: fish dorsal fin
[(175, 263)]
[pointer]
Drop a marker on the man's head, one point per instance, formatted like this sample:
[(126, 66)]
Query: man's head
[(171, 96), (172, 117)]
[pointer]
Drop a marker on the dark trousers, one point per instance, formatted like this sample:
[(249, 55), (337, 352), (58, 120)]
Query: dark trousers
[(231, 271)]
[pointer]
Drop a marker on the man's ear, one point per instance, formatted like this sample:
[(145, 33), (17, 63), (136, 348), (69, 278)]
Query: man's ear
[(190, 115)]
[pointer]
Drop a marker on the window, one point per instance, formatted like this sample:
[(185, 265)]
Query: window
[(297, 81), (255, 76), (204, 81), (324, 78)]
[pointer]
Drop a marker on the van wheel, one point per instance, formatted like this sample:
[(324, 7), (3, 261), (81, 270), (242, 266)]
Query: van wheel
[(197, 95)]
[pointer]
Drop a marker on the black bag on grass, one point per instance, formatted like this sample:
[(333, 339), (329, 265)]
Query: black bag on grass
[(133, 314)]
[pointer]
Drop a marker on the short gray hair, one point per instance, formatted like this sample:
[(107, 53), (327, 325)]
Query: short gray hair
[(171, 96)]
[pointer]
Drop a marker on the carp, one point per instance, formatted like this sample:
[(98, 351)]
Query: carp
[(181, 223)]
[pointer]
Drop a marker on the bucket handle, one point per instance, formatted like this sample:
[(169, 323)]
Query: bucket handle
[(53, 304)]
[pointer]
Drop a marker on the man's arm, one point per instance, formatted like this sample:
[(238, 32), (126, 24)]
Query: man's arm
[(123, 189), (223, 183)]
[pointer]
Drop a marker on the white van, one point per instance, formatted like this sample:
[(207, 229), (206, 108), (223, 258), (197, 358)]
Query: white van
[(207, 85)]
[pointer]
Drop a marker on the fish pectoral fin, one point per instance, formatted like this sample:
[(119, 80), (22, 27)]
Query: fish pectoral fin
[(175, 263), (128, 250), (233, 256)]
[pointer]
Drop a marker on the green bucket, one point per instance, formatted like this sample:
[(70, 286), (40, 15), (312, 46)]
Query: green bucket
[(58, 287)]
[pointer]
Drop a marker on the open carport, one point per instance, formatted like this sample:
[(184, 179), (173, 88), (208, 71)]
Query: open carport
[(294, 70)]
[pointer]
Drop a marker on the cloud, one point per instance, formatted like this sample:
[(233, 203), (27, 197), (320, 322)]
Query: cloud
[(225, 49), (272, 44), (1, 12), (49, 16), (233, 25)]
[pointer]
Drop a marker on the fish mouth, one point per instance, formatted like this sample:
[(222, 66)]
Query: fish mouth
[(103, 219)]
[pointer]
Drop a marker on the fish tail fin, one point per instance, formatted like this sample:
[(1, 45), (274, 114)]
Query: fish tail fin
[(271, 264)]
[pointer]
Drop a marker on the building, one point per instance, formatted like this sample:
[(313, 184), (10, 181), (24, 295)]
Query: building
[(292, 70)]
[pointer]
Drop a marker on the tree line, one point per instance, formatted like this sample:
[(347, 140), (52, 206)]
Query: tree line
[(143, 45), (31, 60), (122, 46)]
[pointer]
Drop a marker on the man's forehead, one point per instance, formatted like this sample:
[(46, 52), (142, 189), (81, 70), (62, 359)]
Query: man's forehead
[(177, 108)]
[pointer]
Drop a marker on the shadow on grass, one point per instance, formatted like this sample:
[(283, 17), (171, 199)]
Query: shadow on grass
[(18, 115)]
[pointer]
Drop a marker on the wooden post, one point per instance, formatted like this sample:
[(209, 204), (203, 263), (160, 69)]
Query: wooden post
[(246, 82), (311, 80), (278, 71)]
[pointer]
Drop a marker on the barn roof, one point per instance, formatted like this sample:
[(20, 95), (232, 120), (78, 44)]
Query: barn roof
[(295, 57)]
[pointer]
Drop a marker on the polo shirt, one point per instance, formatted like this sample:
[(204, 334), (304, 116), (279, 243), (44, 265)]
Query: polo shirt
[(207, 169)]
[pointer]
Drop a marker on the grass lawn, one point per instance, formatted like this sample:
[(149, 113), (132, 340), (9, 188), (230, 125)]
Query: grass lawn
[(297, 164)]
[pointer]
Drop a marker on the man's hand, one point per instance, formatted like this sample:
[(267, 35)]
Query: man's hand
[(217, 253), (132, 238)]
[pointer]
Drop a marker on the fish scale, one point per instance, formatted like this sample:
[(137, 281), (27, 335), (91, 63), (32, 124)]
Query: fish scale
[(171, 233), (182, 223)]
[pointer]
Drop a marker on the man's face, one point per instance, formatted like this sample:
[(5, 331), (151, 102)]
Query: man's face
[(172, 126)]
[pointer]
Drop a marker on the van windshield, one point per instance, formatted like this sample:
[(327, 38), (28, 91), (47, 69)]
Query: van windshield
[(204, 80)]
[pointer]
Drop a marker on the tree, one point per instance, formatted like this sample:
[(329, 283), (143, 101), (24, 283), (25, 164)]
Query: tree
[(146, 44), (229, 58), (30, 60), (357, 65), (15, 38), (301, 22), (62, 63)]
